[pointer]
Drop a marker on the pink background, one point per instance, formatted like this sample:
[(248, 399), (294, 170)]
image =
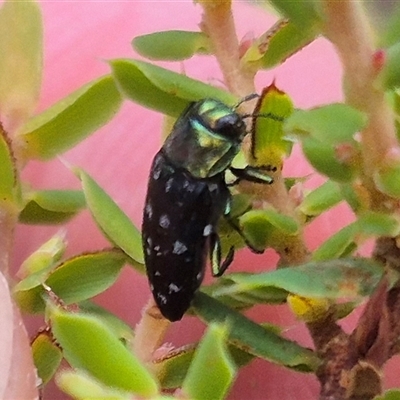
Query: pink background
[(79, 39)]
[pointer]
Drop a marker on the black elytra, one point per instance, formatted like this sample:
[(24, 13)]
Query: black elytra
[(186, 196)]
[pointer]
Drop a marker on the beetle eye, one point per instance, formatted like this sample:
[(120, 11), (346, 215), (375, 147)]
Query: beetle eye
[(231, 126)]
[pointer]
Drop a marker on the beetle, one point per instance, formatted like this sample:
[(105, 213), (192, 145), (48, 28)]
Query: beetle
[(187, 194)]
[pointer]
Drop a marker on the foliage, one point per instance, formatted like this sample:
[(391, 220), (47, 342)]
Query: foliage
[(320, 288)]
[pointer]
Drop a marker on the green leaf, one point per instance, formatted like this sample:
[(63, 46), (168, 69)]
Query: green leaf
[(368, 224), (45, 257), (253, 338), (8, 174), (333, 279), (268, 144), (387, 180), (212, 370), (47, 356), (224, 290), (163, 45), (392, 394), (391, 33), (89, 345), (278, 44), (332, 124), (51, 206), (377, 224), (322, 157), (72, 119), (389, 76), (160, 89), (76, 279), (112, 220), (172, 368), (81, 386), (120, 328), (302, 12), (337, 245), (21, 58), (321, 199), (260, 227)]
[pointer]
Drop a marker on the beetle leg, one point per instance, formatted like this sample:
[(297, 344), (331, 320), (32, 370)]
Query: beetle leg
[(232, 223), (218, 267), (252, 174)]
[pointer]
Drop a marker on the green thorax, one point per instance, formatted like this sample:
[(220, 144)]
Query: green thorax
[(205, 138)]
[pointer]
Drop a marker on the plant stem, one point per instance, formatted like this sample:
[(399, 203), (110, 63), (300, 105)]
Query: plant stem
[(150, 332), (219, 25), (348, 29)]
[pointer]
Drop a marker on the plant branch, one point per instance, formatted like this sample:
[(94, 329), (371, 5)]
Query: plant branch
[(218, 24), (149, 332), (348, 29)]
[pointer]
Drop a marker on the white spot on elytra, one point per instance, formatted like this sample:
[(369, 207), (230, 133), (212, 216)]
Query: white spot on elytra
[(164, 221), (213, 187), (179, 247), (149, 210), (151, 287), (188, 186), (156, 173), (162, 298), (199, 276), (157, 248), (168, 185), (149, 241), (173, 288), (157, 273), (207, 230)]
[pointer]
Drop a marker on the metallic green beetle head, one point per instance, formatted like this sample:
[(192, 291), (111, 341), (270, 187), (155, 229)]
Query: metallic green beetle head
[(205, 138)]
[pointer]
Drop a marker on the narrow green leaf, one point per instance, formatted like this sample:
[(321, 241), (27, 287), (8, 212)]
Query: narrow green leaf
[(21, 58), (391, 33), (368, 224), (337, 245), (392, 394), (118, 228), (81, 386), (212, 370), (278, 44), (321, 199), (377, 224), (47, 356), (89, 345), (8, 172), (389, 76), (172, 369), (120, 328), (224, 290), (261, 227), (323, 158), (253, 338), (160, 89), (333, 124), (333, 279), (51, 206), (39, 264), (76, 279), (268, 145), (302, 12), (163, 45), (72, 119), (387, 180)]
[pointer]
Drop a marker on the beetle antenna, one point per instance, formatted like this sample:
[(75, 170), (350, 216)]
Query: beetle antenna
[(249, 97)]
